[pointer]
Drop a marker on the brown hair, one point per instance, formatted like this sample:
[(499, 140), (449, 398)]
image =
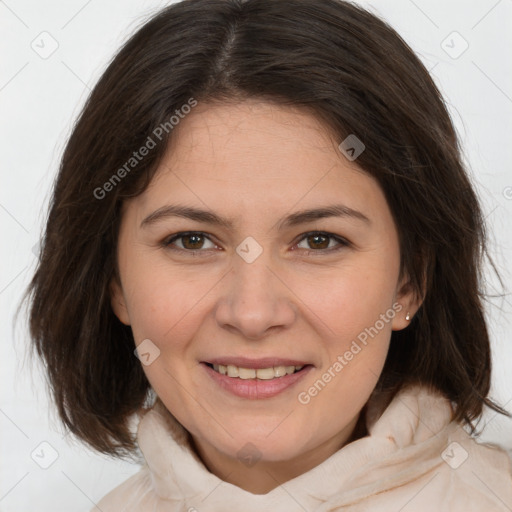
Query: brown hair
[(354, 72)]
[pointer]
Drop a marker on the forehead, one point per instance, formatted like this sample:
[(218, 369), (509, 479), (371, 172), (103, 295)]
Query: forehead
[(267, 140), (251, 155)]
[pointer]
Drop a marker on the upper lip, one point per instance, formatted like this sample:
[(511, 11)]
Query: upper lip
[(264, 362)]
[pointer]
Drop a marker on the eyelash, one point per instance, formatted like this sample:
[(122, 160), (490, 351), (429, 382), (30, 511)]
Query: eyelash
[(167, 243)]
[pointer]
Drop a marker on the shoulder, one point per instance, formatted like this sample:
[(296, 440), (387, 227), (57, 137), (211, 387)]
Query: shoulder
[(135, 494), (478, 473), (477, 453)]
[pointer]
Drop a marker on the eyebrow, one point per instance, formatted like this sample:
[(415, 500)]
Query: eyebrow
[(294, 219)]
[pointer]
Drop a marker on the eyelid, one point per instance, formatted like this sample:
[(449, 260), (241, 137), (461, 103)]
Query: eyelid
[(342, 242), (167, 242)]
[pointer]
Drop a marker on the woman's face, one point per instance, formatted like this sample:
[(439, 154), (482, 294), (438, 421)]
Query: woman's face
[(251, 285)]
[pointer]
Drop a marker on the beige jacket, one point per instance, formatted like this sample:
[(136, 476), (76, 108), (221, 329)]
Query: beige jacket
[(415, 459)]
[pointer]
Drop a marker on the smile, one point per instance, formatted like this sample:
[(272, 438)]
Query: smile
[(255, 383), (274, 372)]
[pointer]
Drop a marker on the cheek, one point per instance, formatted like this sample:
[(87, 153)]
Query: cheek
[(355, 298), (358, 311), (166, 312), (162, 303), (357, 314)]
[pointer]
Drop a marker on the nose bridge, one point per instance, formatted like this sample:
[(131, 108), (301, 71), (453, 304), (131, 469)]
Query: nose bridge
[(255, 299)]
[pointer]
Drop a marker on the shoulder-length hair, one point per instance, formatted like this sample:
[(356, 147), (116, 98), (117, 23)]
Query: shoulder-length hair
[(359, 77)]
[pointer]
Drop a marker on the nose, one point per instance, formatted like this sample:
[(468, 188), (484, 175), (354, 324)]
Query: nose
[(256, 299)]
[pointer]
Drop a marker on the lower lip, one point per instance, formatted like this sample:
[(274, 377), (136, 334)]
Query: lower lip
[(256, 389)]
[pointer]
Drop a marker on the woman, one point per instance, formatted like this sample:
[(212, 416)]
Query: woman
[(262, 242)]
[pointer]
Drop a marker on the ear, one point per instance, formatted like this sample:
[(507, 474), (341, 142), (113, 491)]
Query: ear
[(410, 302), (118, 302)]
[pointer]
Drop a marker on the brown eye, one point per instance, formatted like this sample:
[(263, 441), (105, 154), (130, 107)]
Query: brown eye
[(318, 242), (190, 242)]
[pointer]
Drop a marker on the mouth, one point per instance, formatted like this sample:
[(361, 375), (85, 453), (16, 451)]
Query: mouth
[(269, 373), (255, 379)]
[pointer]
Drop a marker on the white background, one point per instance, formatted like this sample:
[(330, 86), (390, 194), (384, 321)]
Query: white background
[(39, 99)]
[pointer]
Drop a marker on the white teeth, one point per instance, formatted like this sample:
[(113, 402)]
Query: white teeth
[(251, 373), (265, 373), (247, 373), (233, 371), (280, 371), (291, 369)]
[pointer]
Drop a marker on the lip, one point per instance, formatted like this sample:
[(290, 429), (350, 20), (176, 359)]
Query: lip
[(255, 389), (264, 362)]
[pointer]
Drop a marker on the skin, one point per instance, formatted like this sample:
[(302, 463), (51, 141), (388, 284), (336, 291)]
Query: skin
[(255, 163)]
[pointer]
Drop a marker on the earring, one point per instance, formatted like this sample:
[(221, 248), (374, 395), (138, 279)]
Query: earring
[(408, 316)]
